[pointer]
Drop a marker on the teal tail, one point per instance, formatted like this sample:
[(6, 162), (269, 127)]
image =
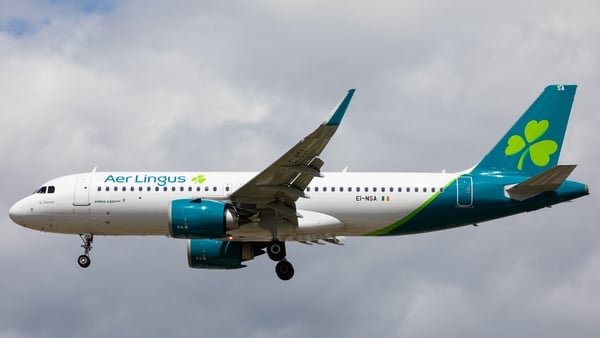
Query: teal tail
[(533, 144)]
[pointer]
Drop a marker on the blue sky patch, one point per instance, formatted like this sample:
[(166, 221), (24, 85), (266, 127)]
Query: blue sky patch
[(16, 26), (88, 6)]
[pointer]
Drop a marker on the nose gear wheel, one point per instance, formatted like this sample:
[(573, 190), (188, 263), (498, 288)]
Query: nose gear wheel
[(84, 260)]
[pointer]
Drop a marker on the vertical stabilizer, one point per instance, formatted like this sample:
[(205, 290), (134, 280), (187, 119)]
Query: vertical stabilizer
[(533, 144)]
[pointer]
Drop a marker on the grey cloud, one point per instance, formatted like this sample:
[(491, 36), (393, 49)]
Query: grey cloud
[(229, 86)]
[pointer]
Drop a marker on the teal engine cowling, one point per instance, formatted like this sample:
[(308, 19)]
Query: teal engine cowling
[(201, 218), (215, 254)]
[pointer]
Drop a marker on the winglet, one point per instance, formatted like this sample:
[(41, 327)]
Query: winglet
[(338, 114)]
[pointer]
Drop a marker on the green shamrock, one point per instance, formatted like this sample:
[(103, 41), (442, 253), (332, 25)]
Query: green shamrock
[(539, 152), (199, 179)]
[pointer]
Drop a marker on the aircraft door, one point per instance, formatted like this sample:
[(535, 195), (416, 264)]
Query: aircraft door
[(82, 190), (464, 192)]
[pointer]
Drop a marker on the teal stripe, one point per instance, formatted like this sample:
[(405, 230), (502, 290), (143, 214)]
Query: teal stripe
[(410, 216)]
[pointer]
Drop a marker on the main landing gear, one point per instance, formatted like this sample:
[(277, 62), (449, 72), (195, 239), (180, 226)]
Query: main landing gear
[(84, 260), (276, 251)]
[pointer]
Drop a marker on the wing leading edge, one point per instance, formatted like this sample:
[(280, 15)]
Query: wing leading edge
[(270, 197)]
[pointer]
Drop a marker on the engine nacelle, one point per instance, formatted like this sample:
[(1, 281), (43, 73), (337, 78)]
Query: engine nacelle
[(215, 254), (196, 218)]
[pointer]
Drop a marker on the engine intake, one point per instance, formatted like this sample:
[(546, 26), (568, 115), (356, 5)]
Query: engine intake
[(196, 218), (215, 254)]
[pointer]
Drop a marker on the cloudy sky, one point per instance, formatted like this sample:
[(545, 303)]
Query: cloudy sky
[(230, 85)]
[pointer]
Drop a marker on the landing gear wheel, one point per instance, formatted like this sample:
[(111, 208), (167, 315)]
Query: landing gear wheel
[(284, 270), (84, 261), (276, 250)]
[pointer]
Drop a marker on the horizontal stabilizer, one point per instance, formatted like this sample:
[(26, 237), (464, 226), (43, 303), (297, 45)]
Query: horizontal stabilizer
[(548, 180)]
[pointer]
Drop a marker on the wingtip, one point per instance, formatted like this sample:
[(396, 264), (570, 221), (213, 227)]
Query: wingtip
[(338, 114)]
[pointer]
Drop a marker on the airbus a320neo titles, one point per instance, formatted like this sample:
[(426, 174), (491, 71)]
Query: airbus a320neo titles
[(231, 217)]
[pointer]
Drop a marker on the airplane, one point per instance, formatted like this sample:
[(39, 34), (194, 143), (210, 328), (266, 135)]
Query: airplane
[(229, 218)]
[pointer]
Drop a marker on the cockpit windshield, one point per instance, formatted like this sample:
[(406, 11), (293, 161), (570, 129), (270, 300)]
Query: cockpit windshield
[(45, 190)]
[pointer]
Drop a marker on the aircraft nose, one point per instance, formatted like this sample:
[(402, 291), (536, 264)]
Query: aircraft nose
[(17, 212)]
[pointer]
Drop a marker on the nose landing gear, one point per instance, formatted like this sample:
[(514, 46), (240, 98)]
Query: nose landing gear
[(84, 260)]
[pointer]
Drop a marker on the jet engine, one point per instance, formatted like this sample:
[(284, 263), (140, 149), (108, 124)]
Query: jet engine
[(201, 218), (215, 254)]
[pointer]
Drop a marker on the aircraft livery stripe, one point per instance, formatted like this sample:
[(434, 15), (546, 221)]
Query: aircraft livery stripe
[(408, 217)]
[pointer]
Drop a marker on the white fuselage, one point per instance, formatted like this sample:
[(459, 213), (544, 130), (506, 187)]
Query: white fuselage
[(134, 203)]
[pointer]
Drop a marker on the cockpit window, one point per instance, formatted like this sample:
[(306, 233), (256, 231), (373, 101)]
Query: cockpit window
[(45, 190)]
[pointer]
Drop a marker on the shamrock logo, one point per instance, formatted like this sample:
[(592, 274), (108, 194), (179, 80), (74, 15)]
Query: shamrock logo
[(199, 179), (539, 152)]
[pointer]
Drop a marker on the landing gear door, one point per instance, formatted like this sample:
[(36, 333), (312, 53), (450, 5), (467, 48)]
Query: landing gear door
[(82, 190)]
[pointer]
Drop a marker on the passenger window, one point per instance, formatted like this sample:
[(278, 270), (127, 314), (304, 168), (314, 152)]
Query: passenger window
[(164, 188), (140, 188), (316, 189), (432, 189), (307, 189), (157, 189), (324, 189), (107, 189), (214, 188), (197, 188), (399, 189), (382, 189), (416, 189), (357, 189), (374, 189), (189, 188), (149, 188), (441, 189), (349, 189), (173, 188), (332, 189), (366, 189), (424, 189), (227, 188), (206, 188), (341, 189), (407, 189), (124, 188), (99, 188), (116, 188), (391, 189)]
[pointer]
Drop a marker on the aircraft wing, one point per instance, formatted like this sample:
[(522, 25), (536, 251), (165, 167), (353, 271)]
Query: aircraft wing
[(272, 194)]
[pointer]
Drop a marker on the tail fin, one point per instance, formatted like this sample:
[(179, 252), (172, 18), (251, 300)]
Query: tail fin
[(533, 144)]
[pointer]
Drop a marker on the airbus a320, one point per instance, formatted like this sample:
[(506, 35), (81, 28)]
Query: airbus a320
[(229, 218)]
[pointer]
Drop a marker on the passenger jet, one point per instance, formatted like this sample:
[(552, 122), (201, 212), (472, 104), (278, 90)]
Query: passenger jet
[(231, 217)]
